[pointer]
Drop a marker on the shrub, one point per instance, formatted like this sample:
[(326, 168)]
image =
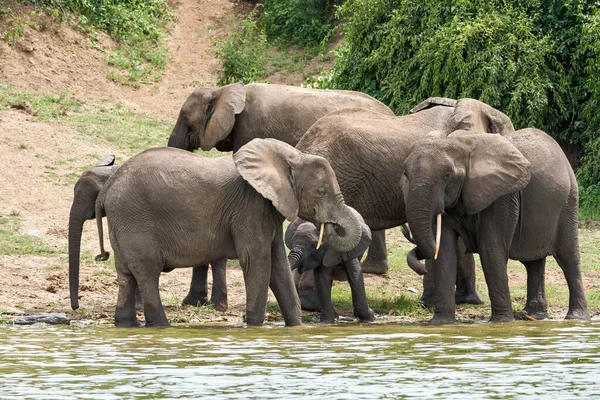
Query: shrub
[(242, 51), (306, 23), (538, 61)]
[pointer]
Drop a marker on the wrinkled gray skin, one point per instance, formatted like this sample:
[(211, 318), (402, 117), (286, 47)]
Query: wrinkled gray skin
[(86, 191), (302, 237), (507, 197), (168, 208), (230, 116), (367, 150)]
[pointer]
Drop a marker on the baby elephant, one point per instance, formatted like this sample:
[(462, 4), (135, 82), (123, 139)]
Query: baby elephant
[(310, 252)]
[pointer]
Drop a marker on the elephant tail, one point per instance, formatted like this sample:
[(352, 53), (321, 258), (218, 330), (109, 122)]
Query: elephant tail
[(104, 255)]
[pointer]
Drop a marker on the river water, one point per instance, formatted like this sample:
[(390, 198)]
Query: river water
[(346, 361)]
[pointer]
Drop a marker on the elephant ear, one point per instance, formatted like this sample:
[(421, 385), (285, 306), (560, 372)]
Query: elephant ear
[(106, 161), (266, 164), (477, 116), (496, 168), (432, 102), (227, 102)]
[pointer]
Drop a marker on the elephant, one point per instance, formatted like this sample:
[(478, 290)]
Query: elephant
[(309, 252), (168, 208), (367, 150), (512, 196), (228, 117), (86, 192)]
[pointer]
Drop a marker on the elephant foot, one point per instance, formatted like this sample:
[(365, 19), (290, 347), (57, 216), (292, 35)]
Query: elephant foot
[(502, 317), (579, 314), (256, 321), (218, 305), (368, 316), (537, 310), (328, 317), (127, 323), (439, 319), (375, 266), (158, 324), (467, 298), (103, 256), (194, 301)]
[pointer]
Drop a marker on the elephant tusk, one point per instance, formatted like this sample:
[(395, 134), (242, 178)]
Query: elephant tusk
[(438, 235), (320, 237)]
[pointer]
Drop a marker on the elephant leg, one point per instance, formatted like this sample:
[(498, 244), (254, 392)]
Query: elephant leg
[(357, 286), (444, 275), (567, 257), (428, 296), (218, 297), (323, 283), (536, 305), (125, 315), (154, 311), (307, 290), (466, 290), (376, 261), (494, 263), (256, 264), (282, 283), (198, 293)]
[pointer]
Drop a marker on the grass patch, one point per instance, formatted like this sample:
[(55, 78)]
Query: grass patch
[(12, 242)]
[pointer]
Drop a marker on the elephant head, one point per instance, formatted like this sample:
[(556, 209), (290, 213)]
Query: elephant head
[(470, 115), (207, 118), (465, 172), (299, 185), (87, 188), (302, 238)]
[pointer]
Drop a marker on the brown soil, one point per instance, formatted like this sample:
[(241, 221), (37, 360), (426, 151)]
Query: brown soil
[(59, 59)]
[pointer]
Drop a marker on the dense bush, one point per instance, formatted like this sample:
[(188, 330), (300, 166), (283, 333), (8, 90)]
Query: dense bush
[(242, 51), (306, 23), (537, 60)]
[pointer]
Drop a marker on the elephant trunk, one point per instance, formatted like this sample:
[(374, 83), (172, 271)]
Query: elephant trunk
[(180, 136), (419, 213), (295, 257), (77, 217), (343, 233), (413, 260)]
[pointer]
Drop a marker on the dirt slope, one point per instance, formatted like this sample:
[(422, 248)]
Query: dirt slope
[(35, 156)]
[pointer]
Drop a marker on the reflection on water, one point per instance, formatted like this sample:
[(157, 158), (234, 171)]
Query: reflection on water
[(559, 359)]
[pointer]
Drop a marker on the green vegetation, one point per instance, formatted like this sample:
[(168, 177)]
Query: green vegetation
[(137, 26), (242, 51), (305, 23), (12, 242), (538, 61)]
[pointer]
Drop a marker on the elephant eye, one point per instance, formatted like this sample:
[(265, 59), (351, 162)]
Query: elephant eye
[(321, 192), (209, 110), (448, 175)]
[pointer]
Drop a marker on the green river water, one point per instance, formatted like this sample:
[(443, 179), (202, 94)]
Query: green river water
[(557, 360)]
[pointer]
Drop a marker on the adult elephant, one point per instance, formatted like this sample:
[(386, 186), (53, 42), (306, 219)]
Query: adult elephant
[(85, 194), (367, 151), (511, 196), (169, 208), (228, 117)]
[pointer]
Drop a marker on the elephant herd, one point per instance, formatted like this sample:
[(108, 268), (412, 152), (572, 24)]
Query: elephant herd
[(342, 168)]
